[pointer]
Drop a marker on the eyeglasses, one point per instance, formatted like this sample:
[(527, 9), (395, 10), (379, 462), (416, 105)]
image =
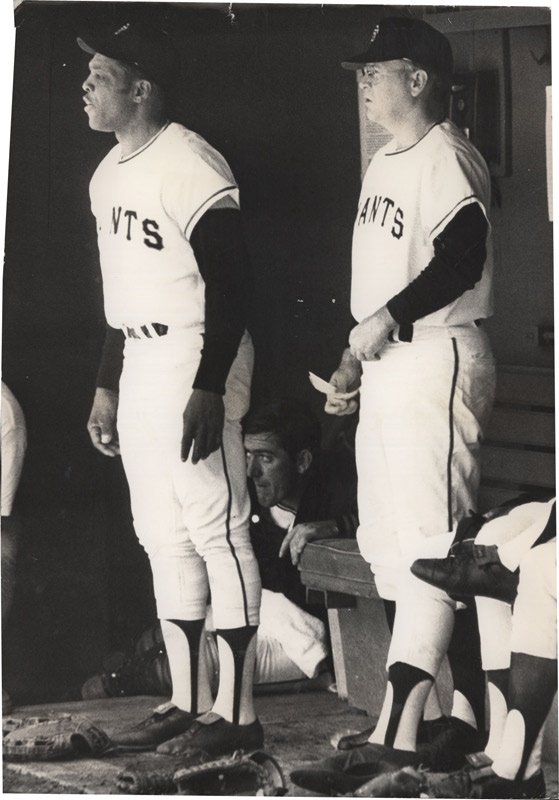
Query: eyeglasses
[(373, 74)]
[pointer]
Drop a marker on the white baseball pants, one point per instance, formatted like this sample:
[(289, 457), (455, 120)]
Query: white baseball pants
[(534, 619), (192, 520), (423, 409), (514, 535)]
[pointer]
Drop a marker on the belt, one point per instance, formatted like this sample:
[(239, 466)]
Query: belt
[(405, 331), (150, 330)]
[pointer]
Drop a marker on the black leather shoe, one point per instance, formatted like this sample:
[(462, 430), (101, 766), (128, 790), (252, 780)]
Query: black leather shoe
[(470, 569), (345, 773), (352, 740), (166, 722), (427, 731), (447, 751), (214, 736)]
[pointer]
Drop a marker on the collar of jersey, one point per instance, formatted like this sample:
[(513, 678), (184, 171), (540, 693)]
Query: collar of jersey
[(145, 145), (411, 146)]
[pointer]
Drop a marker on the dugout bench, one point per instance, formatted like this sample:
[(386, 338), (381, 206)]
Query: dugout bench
[(518, 455)]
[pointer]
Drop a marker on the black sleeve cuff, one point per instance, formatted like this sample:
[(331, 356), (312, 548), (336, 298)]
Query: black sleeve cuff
[(216, 361), (112, 357)]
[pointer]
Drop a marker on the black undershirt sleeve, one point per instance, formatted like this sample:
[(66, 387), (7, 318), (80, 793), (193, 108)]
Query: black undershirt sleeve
[(460, 253), (219, 246), (112, 357)]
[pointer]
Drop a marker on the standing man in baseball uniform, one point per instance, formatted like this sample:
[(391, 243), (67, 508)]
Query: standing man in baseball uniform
[(176, 279), (421, 288)]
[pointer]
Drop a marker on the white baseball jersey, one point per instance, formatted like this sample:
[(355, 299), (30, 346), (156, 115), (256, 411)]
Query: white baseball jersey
[(407, 199), (146, 206)]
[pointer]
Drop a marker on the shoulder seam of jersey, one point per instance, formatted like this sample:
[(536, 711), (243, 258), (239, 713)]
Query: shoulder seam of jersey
[(223, 191), (471, 198), (146, 145)]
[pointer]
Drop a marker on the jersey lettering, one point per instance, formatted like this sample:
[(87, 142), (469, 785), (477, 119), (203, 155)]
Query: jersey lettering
[(156, 241), (149, 227), (391, 214), (398, 227), (116, 220), (130, 214)]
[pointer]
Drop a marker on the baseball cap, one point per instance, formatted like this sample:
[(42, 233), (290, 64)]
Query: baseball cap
[(405, 37), (147, 48)]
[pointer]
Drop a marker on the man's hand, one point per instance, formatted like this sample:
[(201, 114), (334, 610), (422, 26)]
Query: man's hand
[(296, 540), (368, 338), (202, 425), (101, 424), (346, 379)]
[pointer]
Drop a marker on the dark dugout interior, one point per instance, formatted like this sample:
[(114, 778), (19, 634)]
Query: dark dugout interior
[(263, 84)]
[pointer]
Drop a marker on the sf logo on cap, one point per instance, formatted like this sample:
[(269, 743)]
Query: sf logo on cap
[(375, 33)]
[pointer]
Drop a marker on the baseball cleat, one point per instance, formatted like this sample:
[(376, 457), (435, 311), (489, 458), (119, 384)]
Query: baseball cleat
[(166, 722), (345, 773), (427, 731), (470, 569), (447, 751), (214, 736)]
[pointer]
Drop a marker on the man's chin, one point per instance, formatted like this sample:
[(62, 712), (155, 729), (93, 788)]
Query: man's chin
[(265, 499)]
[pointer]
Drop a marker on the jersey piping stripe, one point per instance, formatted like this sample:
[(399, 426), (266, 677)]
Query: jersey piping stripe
[(205, 205), (407, 149), (451, 434), (466, 201), (228, 534), (145, 146)]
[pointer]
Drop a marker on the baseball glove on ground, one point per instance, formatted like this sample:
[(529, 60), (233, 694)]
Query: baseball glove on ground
[(58, 737), (255, 774), (153, 774)]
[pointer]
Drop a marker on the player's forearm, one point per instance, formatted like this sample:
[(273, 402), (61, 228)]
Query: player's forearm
[(460, 253), (112, 357), (220, 250)]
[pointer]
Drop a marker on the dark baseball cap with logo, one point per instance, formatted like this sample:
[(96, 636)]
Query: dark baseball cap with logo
[(397, 38), (148, 49)]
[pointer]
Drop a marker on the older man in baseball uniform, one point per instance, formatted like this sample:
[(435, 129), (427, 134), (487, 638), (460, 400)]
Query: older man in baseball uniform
[(175, 276), (421, 288)]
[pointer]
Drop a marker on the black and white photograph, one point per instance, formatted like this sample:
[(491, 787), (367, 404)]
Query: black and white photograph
[(278, 400)]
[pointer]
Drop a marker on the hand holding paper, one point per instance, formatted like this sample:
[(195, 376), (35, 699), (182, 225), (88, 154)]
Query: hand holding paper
[(328, 389)]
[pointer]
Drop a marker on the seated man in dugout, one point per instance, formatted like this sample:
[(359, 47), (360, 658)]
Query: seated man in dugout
[(299, 493)]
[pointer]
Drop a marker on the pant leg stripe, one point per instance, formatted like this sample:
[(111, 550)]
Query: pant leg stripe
[(451, 435), (228, 534)]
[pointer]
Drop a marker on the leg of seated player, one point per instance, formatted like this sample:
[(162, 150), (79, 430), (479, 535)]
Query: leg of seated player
[(468, 677), (514, 534), (533, 674)]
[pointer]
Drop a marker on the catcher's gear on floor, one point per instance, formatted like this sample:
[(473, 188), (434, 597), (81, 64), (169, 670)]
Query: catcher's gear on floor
[(239, 774), (57, 737)]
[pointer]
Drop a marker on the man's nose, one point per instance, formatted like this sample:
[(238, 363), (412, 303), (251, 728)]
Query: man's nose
[(253, 470), (87, 84)]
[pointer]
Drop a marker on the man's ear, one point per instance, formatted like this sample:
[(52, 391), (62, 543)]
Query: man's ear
[(419, 80), (303, 461), (142, 90)]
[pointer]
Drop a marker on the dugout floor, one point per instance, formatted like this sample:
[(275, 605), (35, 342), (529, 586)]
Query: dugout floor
[(298, 729)]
